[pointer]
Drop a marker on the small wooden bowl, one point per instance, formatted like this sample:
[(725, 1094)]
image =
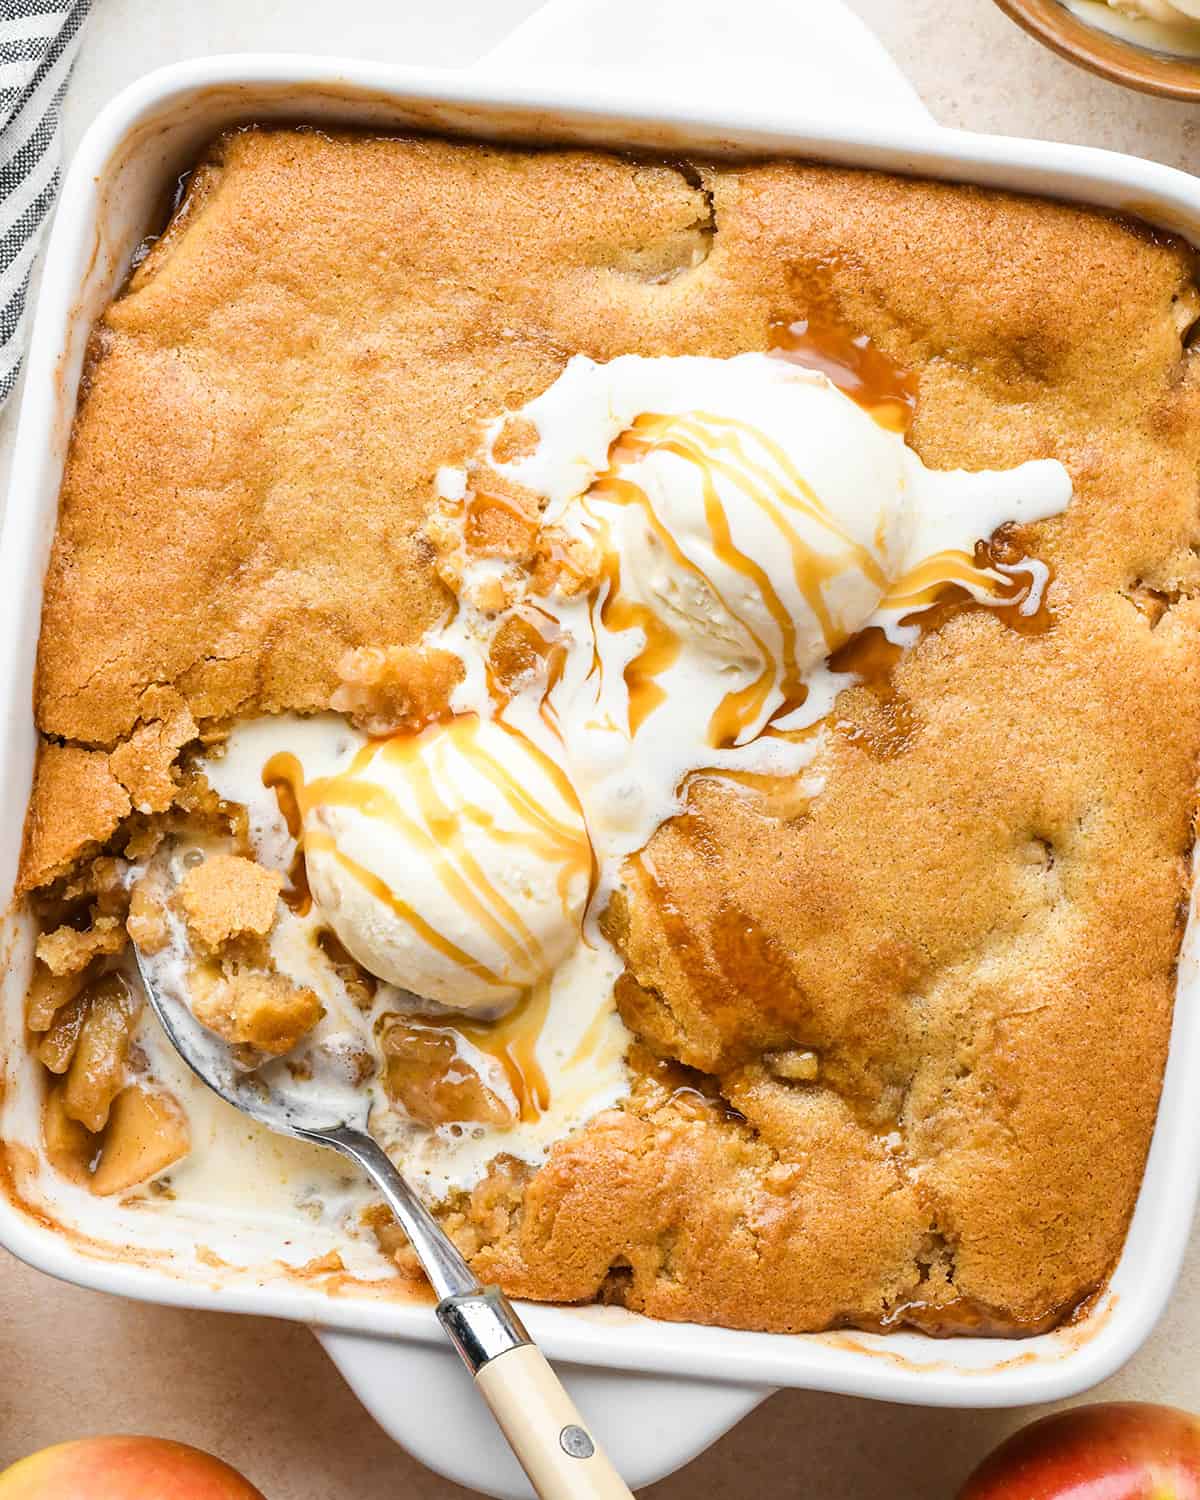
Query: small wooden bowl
[(1110, 56)]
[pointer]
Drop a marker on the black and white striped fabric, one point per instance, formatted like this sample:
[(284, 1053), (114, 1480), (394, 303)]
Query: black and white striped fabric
[(38, 43)]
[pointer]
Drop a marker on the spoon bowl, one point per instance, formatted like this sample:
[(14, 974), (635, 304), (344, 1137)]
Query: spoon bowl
[(269, 1093)]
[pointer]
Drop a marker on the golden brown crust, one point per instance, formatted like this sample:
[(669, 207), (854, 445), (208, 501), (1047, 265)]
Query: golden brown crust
[(76, 806), (143, 762), (677, 1211), (254, 1008), (973, 928), (227, 896)]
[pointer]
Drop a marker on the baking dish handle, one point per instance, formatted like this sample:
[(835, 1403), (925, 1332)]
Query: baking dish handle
[(424, 1399), (812, 59)]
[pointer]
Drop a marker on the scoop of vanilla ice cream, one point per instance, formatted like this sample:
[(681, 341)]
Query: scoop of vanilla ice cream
[(454, 863), (754, 518), (682, 596), (776, 511), (752, 509)]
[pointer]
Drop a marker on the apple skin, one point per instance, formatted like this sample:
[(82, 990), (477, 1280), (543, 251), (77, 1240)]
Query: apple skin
[(1120, 1450), (124, 1468)]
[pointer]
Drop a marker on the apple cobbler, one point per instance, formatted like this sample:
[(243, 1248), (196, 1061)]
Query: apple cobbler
[(679, 679)]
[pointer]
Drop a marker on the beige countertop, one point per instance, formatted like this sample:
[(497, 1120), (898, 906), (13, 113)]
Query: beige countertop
[(262, 1394)]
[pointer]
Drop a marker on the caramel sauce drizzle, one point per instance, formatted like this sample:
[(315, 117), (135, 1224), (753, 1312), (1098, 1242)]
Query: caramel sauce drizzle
[(591, 1038), (853, 363), (384, 893), (723, 447), (720, 447), (929, 595), (512, 1042), (617, 613), (928, 582), (295, 894), (778, 796), (375, 802), (282, 775), (475, 517), (341, 958), (556, 665), (870, 658), (552, 653)]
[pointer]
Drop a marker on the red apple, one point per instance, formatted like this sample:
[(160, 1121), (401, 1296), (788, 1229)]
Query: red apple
[(124, 1468), (1122, 1450)]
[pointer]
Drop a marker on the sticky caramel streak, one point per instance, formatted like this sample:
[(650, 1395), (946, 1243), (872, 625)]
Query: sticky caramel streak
[(722, 448), (407, 914), (512, 1042), (926, 583)]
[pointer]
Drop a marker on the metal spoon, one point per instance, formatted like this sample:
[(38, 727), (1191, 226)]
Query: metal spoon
[(540, 1421)]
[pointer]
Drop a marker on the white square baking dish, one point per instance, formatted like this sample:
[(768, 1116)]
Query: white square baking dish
[(839, 100)]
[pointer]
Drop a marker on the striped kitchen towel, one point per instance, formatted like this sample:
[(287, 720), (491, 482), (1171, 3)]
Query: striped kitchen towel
[(38, 43)]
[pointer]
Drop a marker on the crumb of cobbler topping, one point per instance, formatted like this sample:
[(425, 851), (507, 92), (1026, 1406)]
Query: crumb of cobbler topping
[(143, 763), (147, 920), (564, 565), (195, 810), (391, 1239), (67, 951), (493, 1209), (227, 897), (501, 518), (253, 1008), (386, 689)]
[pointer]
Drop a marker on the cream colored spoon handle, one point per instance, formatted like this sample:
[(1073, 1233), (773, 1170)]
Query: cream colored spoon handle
[(544, 1429), (535, 1414), (561, 1457)]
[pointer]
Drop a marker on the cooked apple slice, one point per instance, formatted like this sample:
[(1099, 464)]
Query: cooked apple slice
[(48, 993), (98, 1067), (70, 1148), (427, 1078), (57, 1047), (147, 1132)]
